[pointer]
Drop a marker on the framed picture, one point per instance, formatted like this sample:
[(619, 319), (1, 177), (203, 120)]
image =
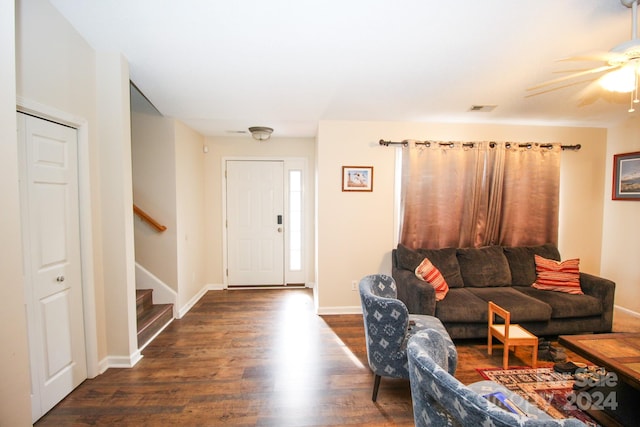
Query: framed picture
[(626, 176), (357, 178)]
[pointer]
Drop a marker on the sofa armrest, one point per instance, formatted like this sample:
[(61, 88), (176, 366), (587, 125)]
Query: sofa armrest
[(604, 290), (417, 295)]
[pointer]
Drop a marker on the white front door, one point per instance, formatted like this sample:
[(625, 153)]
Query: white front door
[(51, 239), (255, 225)]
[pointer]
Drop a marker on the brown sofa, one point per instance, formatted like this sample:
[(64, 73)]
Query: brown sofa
[(503, 275)]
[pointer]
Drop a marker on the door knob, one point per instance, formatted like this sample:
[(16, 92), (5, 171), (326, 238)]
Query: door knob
[(60, 279), (279, 229)]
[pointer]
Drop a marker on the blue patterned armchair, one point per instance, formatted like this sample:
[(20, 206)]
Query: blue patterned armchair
[(388, 327), (439, 399)]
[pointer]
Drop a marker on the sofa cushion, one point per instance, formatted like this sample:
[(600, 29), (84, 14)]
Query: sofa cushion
[(446, 261), (461, 306), (523, 308), (558, 276), (408, 258), (563, 305), (484, 267), (443, 259), (522, 264), (429, 273)]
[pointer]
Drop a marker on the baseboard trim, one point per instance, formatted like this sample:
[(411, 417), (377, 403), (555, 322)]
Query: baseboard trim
[(103, 365), (339, 310), (223, 287), (189, 305), (627, 311), (124, 361)]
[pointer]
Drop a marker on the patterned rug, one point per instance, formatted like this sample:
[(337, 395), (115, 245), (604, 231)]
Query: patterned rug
[(549, 390)]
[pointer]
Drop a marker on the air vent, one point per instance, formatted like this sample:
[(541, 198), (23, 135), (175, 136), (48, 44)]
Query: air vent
[(482, 108)]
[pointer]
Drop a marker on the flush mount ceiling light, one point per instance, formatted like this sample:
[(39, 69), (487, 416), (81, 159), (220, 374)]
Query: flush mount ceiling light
[(260, 133)]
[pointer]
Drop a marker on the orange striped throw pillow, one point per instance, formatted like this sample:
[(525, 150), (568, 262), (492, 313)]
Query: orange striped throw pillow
[(558, 276), (429, 273)]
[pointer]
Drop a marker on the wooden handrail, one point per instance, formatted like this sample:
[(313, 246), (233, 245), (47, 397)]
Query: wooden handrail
[(145, 217)]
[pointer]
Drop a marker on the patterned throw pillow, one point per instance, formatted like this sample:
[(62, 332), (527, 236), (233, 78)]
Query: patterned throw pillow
[(558, 276), (429, 273)]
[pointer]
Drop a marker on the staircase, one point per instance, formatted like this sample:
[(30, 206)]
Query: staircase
[(152, 318)]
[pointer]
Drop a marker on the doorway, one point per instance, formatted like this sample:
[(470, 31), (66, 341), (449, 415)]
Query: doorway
[(264, 222), (48, 167)]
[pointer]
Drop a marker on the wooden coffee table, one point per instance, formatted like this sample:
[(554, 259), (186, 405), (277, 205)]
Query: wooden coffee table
[(618, 353)]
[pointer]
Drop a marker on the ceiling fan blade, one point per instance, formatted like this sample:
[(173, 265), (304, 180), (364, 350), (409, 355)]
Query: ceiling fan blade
[(552, 89), (593, 56), (574, 75)]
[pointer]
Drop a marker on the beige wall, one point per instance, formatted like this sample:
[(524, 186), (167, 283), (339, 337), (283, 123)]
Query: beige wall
[(245, 146), (620, 234), (348, 248), (168, 183), (114, 138), (154, 191), (15, 405), (57, 69), (190, 213)]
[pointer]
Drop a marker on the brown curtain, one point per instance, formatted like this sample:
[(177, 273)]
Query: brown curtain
[(478, 194), (531, 194)]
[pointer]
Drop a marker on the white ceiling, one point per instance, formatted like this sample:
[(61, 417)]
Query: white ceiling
[(221, 66)]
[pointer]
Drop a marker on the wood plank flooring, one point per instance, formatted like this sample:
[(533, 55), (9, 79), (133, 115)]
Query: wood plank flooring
[(255, 358)]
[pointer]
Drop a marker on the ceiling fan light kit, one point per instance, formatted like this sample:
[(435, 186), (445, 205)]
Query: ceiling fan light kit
[(622, 64)]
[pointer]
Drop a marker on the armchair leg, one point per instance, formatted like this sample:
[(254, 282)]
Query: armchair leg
[(376, 386)]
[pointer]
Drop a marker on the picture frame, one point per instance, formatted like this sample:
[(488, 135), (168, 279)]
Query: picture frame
[(357, 178), (626, 176)]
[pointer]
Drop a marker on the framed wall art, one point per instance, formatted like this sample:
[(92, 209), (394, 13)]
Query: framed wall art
[(357, 178), (626, 176)]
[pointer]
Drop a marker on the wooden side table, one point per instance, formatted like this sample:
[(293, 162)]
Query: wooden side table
[(510, 335)]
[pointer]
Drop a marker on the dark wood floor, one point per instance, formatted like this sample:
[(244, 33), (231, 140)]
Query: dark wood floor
[(255, 358)]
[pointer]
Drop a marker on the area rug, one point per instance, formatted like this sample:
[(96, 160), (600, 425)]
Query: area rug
[(549, 390)]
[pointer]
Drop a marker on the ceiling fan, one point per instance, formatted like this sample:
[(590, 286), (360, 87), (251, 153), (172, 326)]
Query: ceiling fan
[(621, 64)]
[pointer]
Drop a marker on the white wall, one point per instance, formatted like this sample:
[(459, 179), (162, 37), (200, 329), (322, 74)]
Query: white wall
[(190, 213), (355, 231), (245, 146), (154, 191), (621, 234), (15, 405)]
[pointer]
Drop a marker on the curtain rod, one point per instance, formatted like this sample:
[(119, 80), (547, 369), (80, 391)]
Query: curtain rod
[(405, 143)]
